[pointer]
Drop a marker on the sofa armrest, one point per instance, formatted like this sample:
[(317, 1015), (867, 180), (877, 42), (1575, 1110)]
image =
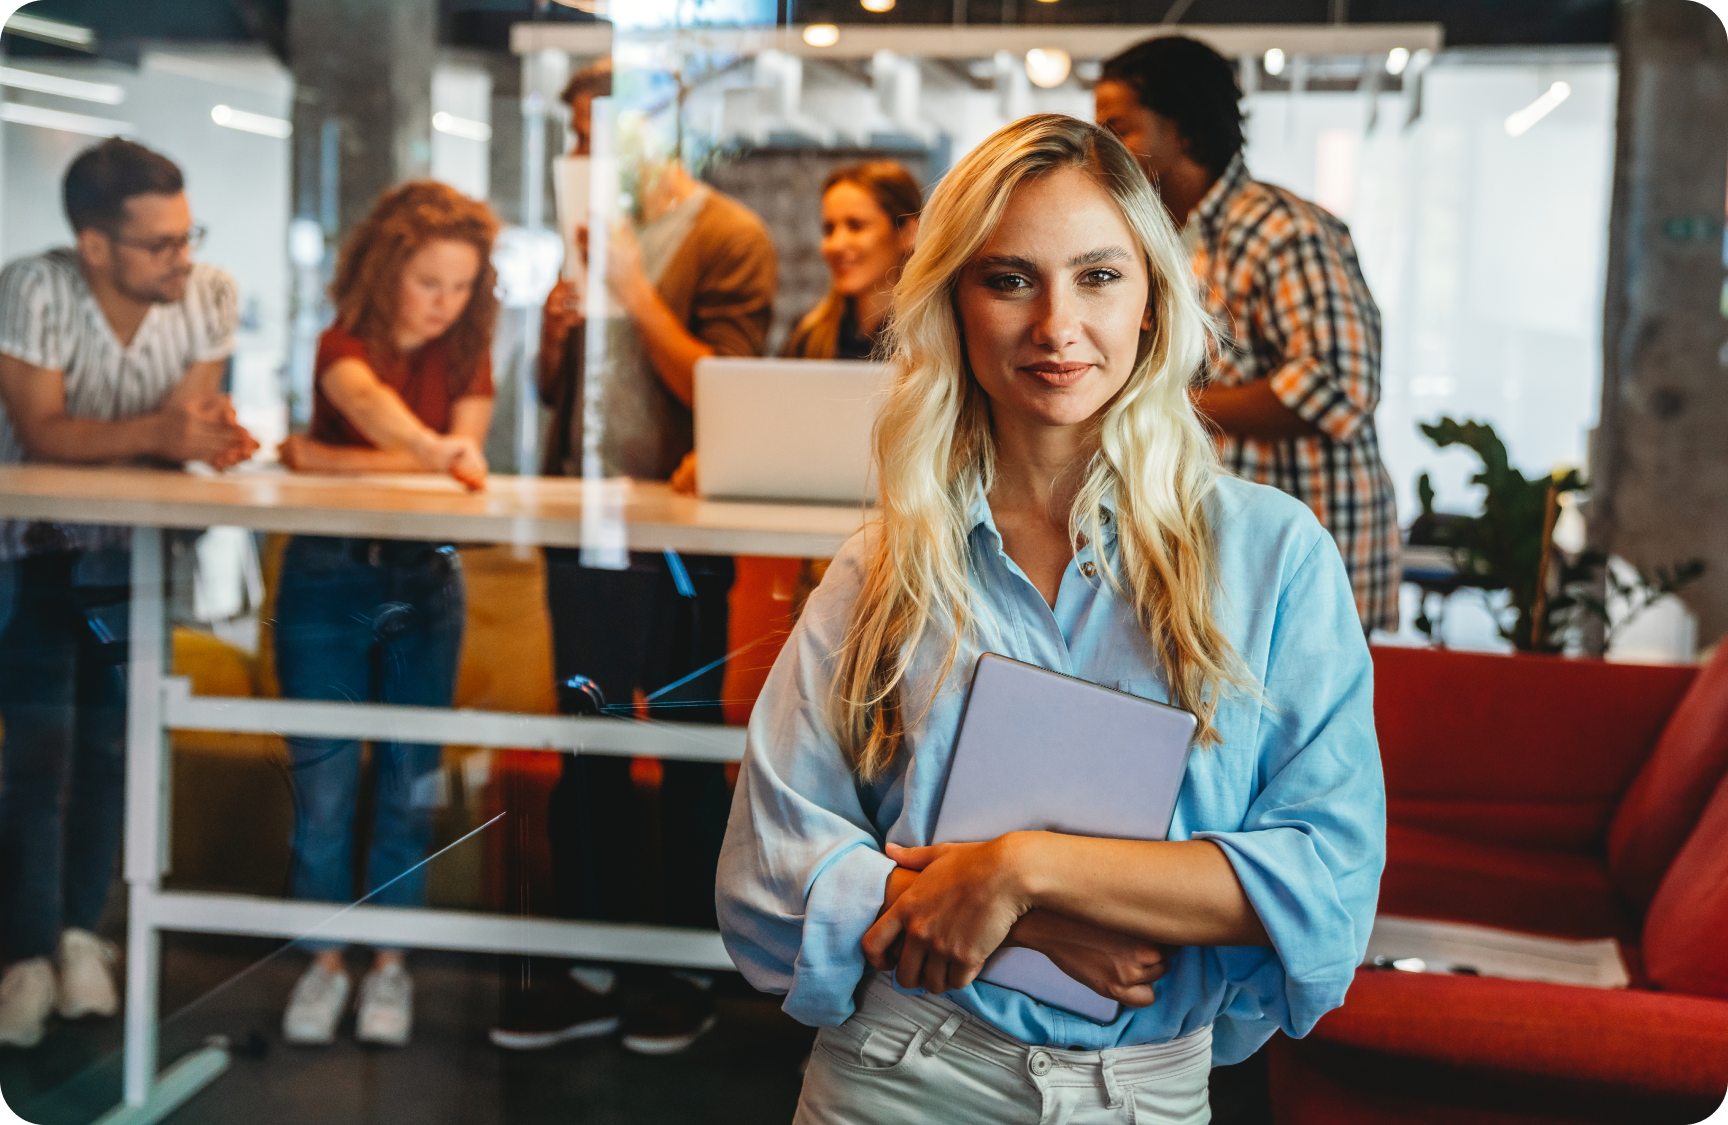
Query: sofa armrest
[(1655, 1042)]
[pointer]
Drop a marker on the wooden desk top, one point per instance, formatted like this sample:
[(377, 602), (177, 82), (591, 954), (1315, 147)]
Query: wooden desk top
[(551, 511)]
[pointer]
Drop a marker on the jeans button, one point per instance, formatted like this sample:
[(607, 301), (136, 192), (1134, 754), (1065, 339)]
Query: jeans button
[(1039, 1063)]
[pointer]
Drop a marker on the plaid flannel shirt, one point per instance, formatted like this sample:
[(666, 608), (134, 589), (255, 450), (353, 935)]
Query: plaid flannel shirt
[(1280, 278)]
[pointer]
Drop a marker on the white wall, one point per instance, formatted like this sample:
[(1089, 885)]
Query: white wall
[(1485, 252)]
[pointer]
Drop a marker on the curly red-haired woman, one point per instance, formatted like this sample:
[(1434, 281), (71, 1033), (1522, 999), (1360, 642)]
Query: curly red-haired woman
[(402, 383)]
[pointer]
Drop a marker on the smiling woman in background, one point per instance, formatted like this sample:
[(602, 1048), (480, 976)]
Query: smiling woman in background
[(869, 223), (403, 383)]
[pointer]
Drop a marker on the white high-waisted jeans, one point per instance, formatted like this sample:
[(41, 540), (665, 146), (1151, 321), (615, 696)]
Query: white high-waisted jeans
[(917, 1060)]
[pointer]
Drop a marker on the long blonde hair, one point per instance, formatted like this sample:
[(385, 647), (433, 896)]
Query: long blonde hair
[(934, 449)]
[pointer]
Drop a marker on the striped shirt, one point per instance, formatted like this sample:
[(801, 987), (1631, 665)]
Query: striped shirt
[(1280, 277), (50, 319)]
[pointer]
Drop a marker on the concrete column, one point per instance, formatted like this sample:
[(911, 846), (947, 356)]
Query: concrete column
[(1660, 461), (363, 95)]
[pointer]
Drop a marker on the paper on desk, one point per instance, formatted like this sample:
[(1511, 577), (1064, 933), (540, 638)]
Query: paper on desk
[(1447, 947), (570, 177)]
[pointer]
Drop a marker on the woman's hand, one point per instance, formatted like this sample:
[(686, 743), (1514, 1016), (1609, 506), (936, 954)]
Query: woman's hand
[(563, 311), (954, 915), (1110, 964), (684, 476), (455, 454), (300, 453)]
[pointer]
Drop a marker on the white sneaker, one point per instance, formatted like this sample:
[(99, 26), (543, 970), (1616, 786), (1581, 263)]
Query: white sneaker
[(86, 977), (26, 998), (386, 1007), (320, 997)]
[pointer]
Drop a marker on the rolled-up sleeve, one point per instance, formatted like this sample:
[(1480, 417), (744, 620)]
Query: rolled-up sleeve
[(1312, 845), (1321, 319), (802, 870)]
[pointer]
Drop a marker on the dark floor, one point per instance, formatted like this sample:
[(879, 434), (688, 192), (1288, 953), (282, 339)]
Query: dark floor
[(743, 1071)]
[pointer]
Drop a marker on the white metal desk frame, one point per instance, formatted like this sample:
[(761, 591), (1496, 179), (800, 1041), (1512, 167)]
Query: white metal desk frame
[(158, 702)]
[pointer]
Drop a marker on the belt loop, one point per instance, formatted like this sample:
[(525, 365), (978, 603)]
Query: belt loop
[(944, 1033), (1112, 1091)]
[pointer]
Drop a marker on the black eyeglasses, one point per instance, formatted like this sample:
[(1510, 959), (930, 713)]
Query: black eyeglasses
[(162, 247)]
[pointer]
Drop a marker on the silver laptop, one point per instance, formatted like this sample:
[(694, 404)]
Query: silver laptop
[(786, 429), (1041, 751)]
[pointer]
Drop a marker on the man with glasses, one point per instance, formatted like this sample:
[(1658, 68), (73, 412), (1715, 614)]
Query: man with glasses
[(112, 350)]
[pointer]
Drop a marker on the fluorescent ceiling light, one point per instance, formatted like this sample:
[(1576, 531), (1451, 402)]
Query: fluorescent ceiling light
[(822, 35), (102, 92), (1048, 67), (1274, 62), (1520, 123), (462, 127), (1397, 59), (230, 118), (52, 31), (65, 122)]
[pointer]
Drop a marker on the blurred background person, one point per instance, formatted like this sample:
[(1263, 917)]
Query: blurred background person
[(403, 383), (696, 280), (111, 350), (1295, 380), (869, 223)]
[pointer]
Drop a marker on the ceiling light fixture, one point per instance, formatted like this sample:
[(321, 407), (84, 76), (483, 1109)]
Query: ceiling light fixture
[(1274, 62), (1520, 123), (877, 5), (1396, 60), (52, 31), (230, 118), (102, 92), (1048, 67), (65, 122), (822, 35), (466, 128)]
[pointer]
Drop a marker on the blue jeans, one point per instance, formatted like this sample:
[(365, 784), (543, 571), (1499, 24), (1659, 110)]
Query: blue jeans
[(366, 621), (63, 765)]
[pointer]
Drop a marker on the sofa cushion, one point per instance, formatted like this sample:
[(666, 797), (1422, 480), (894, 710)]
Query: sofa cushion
[(1528, 750), (1434, 875), (1668, 795), (1318, 1082), (1686, 930), (1656, 1042)]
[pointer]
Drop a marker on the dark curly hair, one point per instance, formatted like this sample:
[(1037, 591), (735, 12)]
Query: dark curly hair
[(369, 273), (1191, 84)]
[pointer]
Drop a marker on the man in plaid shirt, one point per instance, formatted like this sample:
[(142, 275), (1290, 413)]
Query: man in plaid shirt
[(1296, 376)]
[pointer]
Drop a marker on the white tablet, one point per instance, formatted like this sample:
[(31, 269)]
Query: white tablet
[(1040, 751)]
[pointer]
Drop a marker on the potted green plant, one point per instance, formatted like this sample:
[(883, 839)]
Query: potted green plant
[(1510, 546)]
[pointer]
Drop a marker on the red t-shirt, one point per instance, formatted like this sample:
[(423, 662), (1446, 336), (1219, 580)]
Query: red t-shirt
[(420, 378)]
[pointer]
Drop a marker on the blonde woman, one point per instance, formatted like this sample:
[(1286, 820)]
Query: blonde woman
[(1049, 493)]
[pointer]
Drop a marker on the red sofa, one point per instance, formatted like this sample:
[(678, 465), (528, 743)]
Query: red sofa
[(1572, 798)]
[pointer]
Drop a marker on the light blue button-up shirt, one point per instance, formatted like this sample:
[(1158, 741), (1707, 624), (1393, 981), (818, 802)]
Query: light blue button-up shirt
[(1293, 794)]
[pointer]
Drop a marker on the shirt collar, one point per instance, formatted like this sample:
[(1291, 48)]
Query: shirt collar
[(1211, 207), (980, 515)]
